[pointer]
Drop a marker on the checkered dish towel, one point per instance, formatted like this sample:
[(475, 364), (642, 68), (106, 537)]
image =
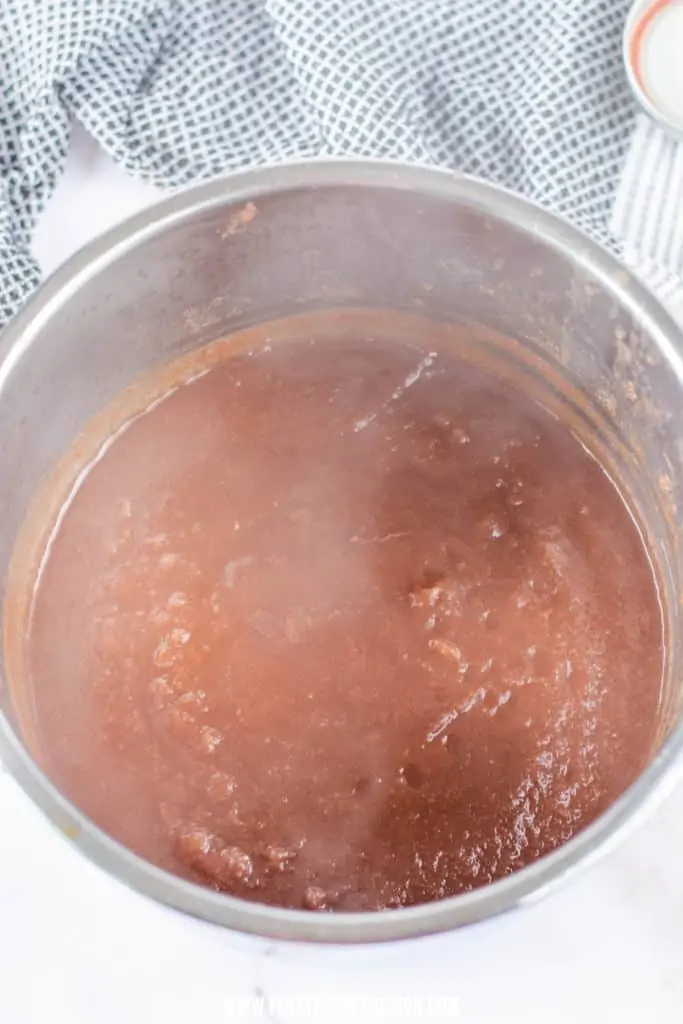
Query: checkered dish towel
[(527, 93)]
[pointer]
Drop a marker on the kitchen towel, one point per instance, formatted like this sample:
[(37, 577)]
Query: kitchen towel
[(528, 93)]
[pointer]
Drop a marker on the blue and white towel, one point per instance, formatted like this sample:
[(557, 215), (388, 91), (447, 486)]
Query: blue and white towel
[(527, 93)]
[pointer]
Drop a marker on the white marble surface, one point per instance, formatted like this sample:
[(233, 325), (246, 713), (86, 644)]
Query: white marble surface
[(76, 947)]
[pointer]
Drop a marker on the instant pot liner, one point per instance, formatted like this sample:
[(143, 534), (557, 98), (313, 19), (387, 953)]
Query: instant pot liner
[(369, 248)]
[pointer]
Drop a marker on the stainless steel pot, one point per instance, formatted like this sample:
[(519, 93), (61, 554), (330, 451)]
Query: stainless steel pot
[(265, 243)]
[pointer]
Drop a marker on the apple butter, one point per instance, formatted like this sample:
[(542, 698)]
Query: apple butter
[(345, 625)]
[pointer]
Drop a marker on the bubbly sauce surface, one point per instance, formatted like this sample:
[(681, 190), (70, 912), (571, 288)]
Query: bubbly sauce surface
[(345, 625)]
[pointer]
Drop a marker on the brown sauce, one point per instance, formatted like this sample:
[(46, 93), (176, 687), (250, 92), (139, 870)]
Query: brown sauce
[(345, 625)]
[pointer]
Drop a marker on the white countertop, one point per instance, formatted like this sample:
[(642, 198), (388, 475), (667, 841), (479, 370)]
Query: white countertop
[(77, 947)]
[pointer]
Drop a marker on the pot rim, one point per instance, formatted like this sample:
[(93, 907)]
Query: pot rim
[(525, 885)]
